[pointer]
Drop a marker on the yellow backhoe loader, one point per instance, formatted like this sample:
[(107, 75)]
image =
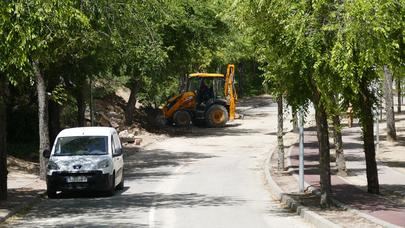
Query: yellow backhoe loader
[(209, 100)]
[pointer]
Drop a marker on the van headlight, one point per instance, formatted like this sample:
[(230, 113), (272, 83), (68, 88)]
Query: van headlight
[(52, 165), (103, 164)]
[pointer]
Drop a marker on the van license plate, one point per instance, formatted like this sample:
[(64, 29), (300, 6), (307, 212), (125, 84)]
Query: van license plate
[(74, 179)]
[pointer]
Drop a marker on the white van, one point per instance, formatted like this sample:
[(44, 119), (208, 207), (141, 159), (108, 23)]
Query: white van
[(85, 158)]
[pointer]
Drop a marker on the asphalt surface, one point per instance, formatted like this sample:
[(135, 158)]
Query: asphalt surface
[(203, 178)]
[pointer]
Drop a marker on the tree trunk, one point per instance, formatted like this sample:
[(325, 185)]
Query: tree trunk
[(337, 135), (324, 154), (280, 119), (321, 120), (389, 105), (43, 118), (130, 108), (3, 139), (399, 94), (367, 121)]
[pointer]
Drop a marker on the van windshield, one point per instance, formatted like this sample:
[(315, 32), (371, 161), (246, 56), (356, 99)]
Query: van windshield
[(81, 145)]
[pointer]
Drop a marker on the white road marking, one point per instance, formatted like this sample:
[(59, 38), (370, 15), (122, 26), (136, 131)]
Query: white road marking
[(165, 187)]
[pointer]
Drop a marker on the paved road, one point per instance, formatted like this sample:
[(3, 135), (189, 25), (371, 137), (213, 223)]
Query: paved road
[(206, 178)]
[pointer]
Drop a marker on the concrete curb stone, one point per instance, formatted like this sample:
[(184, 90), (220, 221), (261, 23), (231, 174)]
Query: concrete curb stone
[(304, 212)]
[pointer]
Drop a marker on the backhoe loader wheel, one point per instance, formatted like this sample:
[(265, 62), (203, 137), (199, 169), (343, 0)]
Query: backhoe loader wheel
[(182, 118), (216, 116)]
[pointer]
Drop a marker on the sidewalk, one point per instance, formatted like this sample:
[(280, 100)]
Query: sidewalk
[(24, 190), (361, 208)]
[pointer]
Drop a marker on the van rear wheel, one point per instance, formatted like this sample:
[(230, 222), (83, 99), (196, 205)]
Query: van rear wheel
[(120, 186), (216, 116)]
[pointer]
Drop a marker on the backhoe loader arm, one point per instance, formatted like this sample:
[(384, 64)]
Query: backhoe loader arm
[(230, 90)]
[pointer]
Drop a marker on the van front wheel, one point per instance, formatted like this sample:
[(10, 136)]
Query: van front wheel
[(111, 191), (51, 192)]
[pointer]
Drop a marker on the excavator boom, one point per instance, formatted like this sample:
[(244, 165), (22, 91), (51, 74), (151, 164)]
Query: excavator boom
[(230, 90)]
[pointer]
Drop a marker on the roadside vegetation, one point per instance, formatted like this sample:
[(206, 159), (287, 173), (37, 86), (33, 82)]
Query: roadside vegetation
[(58, 58)]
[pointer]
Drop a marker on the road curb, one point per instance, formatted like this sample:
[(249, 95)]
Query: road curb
[(22, 207), (278, 194)]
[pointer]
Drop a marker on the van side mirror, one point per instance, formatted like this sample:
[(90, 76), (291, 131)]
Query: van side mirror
[(117, 152), (46, 153)]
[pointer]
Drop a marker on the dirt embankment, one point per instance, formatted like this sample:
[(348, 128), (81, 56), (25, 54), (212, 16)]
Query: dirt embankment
[(109, 111)]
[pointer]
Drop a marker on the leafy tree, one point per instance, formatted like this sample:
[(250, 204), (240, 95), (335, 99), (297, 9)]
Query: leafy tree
[(362, 48), (294, 49), (389, 105), (280, 142), (38, 31)]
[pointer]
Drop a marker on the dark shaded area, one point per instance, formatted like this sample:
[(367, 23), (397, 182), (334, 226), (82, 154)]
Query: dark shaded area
[(362, 200), (394, 164), (255, 102), (18, 198), (116, 210), (143, 164)]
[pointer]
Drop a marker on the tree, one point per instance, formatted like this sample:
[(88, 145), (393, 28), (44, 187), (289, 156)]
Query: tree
[(389, 105), (40, 31), (43, 116), (131, 31), (338, 141), (293, 46), (280, 143), (363, 46)]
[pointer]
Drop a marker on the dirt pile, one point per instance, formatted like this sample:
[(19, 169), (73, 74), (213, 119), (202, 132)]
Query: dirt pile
[(14, 163), (110, 111)]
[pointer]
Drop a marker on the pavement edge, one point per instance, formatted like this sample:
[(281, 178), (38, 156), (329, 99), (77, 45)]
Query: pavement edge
[(278, 194)]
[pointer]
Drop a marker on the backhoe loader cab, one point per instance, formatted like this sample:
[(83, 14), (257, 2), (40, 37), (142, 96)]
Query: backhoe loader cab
[(209, 99)]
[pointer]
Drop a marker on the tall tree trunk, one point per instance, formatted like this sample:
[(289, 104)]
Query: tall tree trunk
[(389, 105), (130, 107), (280, 119), (3, 138), (324, 154), (43, 118), (81, 106), (337, 136), (399, 93), (367, 121), (321, 119)]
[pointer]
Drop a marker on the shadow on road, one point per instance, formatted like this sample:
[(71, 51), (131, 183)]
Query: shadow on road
[(145, 164), (119, 210)]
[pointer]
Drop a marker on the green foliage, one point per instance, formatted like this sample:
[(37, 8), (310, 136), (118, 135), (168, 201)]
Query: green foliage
[(326, 47), (35, 30)]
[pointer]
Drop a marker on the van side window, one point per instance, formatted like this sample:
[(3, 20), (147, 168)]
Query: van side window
[(117, 142)]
